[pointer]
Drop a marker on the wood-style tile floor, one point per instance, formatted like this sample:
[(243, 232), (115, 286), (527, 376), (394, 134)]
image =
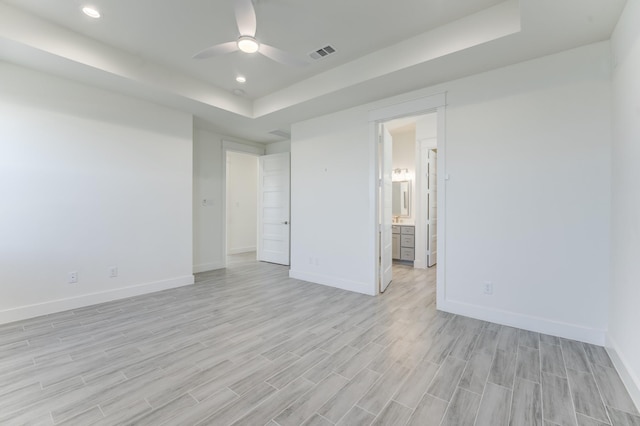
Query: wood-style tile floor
[(250, 346)]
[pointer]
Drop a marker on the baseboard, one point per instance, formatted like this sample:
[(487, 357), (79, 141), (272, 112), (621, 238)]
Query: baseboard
[(526, 322), (341, 283), (628, 376), (53, 306), (204, 267), (240, 250)]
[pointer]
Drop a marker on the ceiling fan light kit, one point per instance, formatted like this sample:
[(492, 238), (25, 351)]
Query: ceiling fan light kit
[(248, 44)]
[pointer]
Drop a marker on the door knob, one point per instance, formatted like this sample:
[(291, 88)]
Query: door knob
[(285, 222)]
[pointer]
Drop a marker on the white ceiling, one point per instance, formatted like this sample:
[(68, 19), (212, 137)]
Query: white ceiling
[(145, 48), (171, 32)]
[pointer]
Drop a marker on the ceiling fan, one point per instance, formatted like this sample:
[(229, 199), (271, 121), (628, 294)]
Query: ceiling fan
[(246, 42)]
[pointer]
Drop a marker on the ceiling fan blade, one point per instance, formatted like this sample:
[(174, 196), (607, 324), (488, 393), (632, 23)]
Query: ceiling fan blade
[(281, 56), (218, 49), (246, 17)]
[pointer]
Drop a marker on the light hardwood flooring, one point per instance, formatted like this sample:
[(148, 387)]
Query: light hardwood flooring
[(249, 346)]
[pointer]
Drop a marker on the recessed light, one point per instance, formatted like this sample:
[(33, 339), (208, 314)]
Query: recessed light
[(241, 79), (91, 12)]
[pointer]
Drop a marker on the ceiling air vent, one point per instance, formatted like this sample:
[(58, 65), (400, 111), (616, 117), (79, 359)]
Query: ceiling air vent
[(280, 133), (323, 52)]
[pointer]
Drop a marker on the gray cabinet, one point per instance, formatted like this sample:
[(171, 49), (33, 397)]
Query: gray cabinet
[(395, 246), (403, 243)]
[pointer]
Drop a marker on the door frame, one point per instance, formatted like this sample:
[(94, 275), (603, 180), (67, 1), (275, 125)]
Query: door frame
[(425, 105), (243, 148)]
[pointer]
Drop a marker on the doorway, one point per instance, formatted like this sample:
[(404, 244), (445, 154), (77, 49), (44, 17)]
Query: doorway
[(256, 204), (429, 232), (411, 143), (241, 203)]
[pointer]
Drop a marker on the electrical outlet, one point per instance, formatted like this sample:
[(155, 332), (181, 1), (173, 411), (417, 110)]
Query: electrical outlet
[(488, 287), (73, 277), (113, 271)]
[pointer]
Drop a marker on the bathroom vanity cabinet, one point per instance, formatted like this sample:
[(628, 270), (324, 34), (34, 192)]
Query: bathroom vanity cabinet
[(403, 242)]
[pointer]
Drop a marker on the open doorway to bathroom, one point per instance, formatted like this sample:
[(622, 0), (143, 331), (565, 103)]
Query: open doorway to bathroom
[(408, 194)]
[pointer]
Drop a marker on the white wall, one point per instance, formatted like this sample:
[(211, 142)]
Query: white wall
[(528, 154), (208, 217), (426, 127), (404, 157), (242, 202), (89, 180), (624, 315), (278, 147), (208, 184), (331, 241)]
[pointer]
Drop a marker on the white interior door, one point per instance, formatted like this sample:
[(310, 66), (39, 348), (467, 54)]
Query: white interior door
[(273, 208), (386, 241), (432, 208)]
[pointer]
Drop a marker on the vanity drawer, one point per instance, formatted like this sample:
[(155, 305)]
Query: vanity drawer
[(407, 241), (410, 230), (395, 229), (407, 254)]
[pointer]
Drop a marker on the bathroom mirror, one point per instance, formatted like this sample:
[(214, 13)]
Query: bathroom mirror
[(401, 198)]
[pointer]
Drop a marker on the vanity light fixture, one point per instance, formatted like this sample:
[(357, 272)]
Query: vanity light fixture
[(91, 12), (241, 79), (400, 174)]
